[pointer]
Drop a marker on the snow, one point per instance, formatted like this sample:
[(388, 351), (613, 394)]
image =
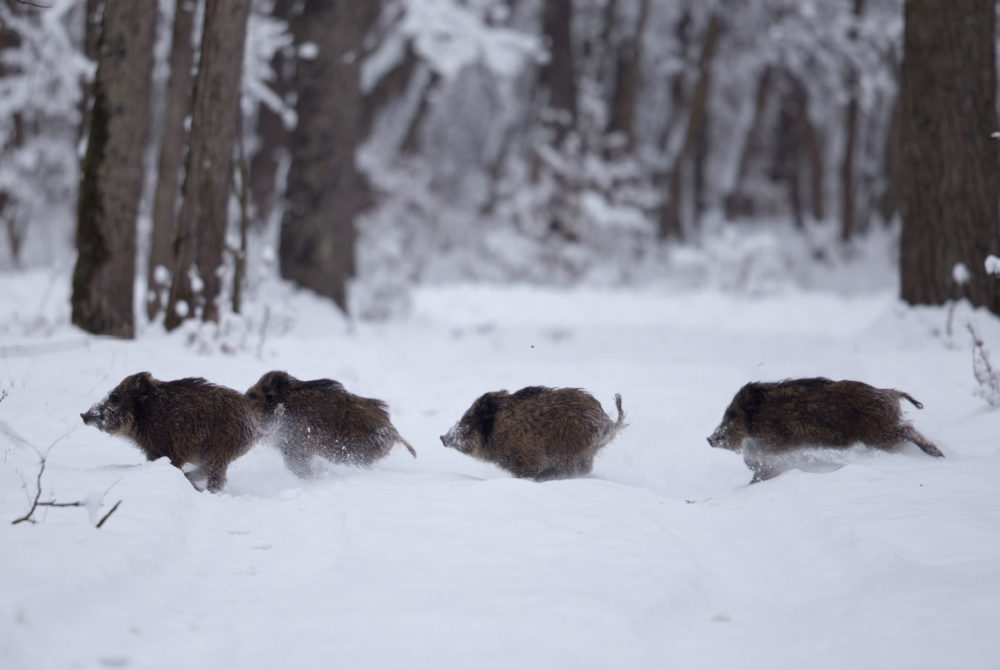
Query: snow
[(960, 274), (664, 557)]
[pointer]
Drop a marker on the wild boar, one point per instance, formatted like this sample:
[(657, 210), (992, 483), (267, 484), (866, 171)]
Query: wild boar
[(187, 420), (539, 433), (321, 418), (767, 418)]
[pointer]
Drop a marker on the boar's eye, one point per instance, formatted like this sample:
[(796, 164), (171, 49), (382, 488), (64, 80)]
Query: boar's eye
[(253, 395), (114, 397)]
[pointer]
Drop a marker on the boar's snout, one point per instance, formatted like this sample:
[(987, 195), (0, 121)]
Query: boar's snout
[(715, 439), (444, 441)]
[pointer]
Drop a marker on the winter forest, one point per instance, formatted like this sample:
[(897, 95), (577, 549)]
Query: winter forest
[(657, 201)]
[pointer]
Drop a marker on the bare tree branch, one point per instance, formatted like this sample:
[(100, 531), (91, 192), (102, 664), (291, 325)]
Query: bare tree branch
[(37, 502)]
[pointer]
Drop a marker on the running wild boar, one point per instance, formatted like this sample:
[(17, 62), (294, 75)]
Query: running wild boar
[(321, 418), (539, 433), (767, 418), (187, 420)]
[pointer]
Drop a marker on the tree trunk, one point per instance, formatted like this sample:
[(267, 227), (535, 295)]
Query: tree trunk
[(672, 213), (172, 143), (949, 180), (847, 198), (628, 64), (199, 242), (111, 180), (272, 133), (9, 40), (738, 204), (558, 75), (325, 190)]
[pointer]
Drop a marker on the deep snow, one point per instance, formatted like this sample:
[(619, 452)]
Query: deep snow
[(663, 558)]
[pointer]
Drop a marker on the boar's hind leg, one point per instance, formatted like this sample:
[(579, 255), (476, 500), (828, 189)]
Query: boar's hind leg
[(194, 476), (299, 461), (216, 476), (911, 434)]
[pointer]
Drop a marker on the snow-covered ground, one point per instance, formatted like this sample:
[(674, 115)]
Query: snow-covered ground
[(663, 558)]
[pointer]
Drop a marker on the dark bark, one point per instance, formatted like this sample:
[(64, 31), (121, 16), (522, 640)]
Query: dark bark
[(847, 196), (557, 77), (949, 177), (672, 213), (111, 180), (628, 71), (172, 143), (797, 150), (326, 192), (199, 242), (9, 39), (737, 203), (272, 133)]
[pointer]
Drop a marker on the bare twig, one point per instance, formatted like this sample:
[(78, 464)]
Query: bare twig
[(38, 502), (36, 5), (986, 376), (110, 512), (38, 494)]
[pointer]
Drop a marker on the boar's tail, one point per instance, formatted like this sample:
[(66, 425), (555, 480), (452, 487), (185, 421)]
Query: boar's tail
[(620, 423), (409, 447), (916, 403)]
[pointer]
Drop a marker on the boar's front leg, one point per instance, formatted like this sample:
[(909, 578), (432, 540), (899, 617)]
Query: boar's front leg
[(755, 457)]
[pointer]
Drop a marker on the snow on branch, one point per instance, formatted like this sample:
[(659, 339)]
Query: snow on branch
[(450, 36)]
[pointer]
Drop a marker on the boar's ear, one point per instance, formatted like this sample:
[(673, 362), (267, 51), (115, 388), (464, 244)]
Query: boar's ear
[(751, 398), (142, 384), (483, 414), (279, 383)]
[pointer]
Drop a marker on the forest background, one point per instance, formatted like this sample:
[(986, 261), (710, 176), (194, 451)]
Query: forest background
[(192, 149)]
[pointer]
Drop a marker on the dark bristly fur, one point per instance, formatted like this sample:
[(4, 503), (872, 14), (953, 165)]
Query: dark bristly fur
[(779, 416), (319, 417), (187, 420), (539, 433)]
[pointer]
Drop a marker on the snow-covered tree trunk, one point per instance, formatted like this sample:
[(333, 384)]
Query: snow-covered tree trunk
[(201, 225), (111, 182), (949, 178), (172, 143), (325, 190)]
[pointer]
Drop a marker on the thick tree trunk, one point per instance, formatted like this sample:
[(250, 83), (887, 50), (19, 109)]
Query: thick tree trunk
[(111, 180), (949, 180), (628, 64), (847, 195), (9, 40), (199, 242), (325, 190), (273, 136), (172, 143), (672, 213), (558, 75), (737, 204)]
